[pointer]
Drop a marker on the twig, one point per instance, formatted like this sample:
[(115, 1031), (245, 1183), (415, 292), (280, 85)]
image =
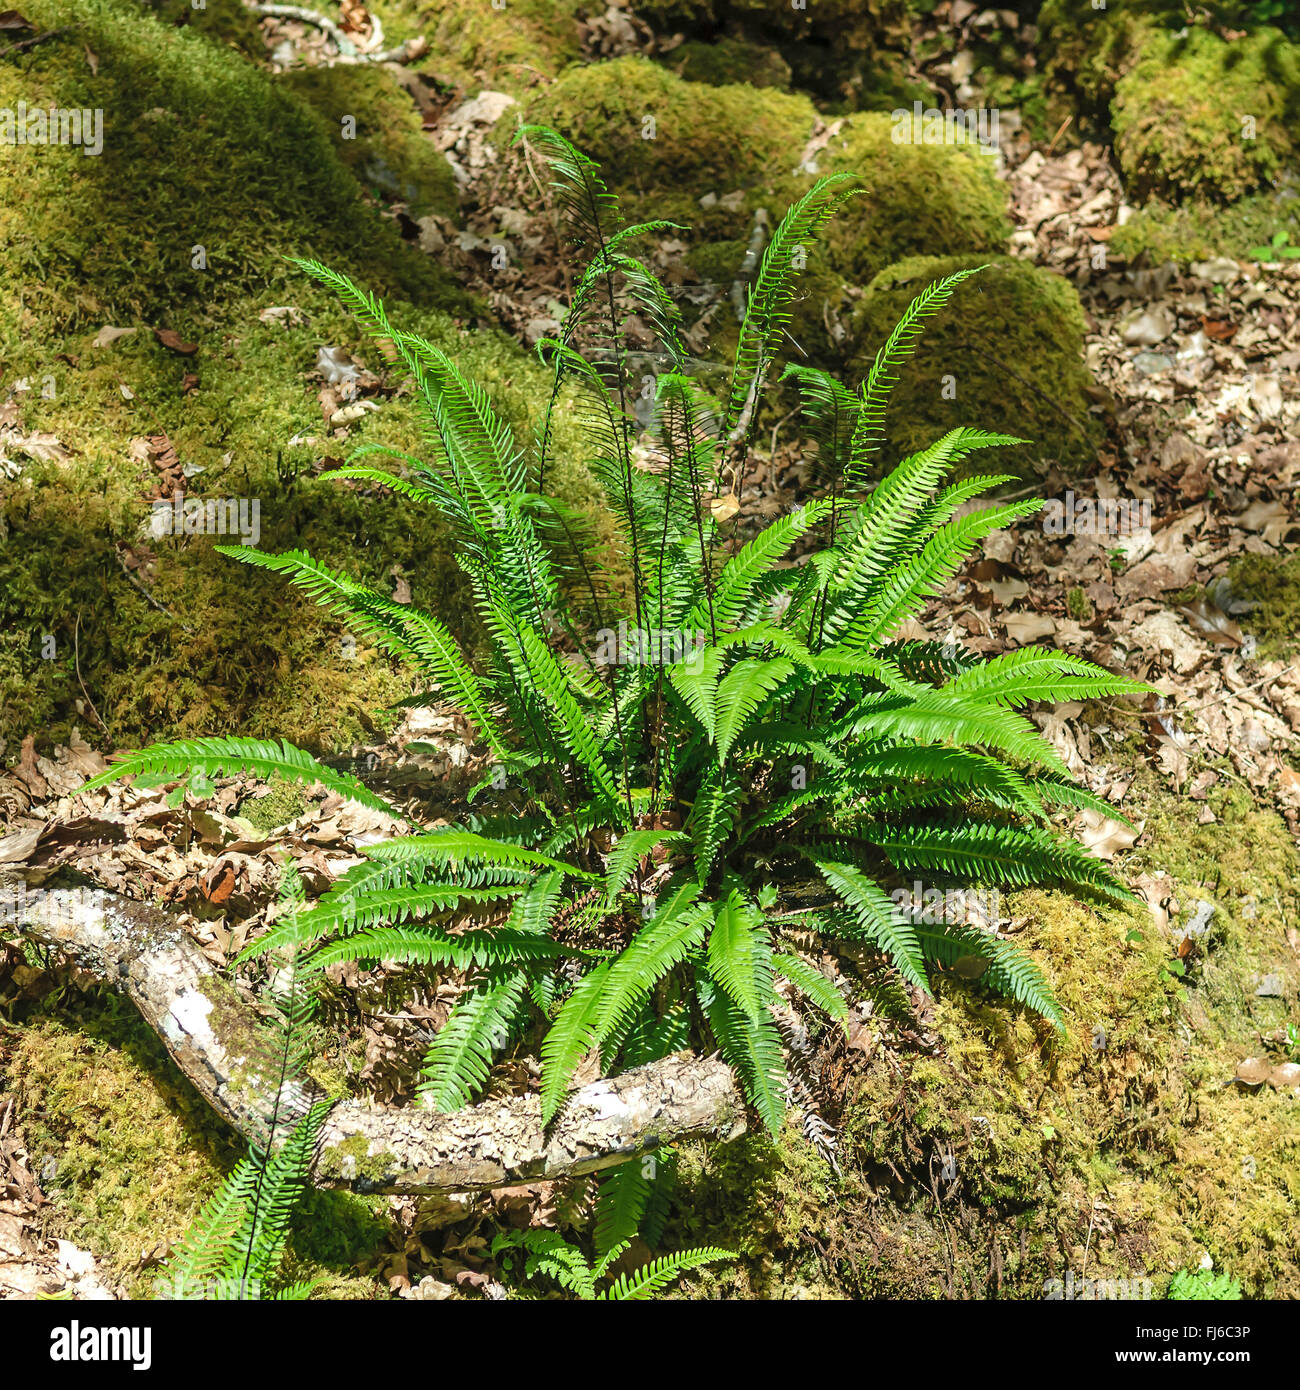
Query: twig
[(348, 51), (76, 662), (35, 39), (148, 597), (1060, 131), (1219, 699)]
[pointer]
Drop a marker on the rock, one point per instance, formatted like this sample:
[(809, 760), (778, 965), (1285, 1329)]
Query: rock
[(1147, 327)]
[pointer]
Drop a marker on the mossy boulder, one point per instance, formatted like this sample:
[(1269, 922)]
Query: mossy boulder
[(1198, 117), (1199, 230), (376, 130), (724, 62), (513, 48), (1006, 354), (918, 198), (210, 174), (849, 53), (650, 130)]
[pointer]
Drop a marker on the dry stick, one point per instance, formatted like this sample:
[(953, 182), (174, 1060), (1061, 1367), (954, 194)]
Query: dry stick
[(34, 40), (215, 1037), (76, 662), (347, 46)]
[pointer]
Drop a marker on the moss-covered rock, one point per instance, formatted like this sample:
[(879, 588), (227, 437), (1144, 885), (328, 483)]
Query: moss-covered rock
[(1196, 116), (1006, 354), (210, 174), (918, 199), (512, 48), (1198, 230), (376, 130), (649, 129), (849, 53), (725, 62), (199, 148)]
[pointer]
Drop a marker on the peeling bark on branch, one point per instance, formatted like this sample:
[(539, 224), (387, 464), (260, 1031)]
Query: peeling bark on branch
[(215, 1038)]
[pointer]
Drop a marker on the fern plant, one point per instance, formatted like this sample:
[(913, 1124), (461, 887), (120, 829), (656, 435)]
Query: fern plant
[(547, 1252), (1203, 1285), (235, 1248), (702, 746)]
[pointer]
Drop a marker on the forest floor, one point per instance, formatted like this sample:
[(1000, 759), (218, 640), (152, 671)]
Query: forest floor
[(1195, 587)]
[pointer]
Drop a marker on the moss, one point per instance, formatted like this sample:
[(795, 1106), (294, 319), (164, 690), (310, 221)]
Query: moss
[(1274, 584), (376, 131), (1005, 355), (847, 53), (1086, 51), (352, 1159), (649, 129), (198, 644), (1178, 114), (727, 61), (284, 802), (1199, 230), (211, 646), (509, 49), (132, 1153), (919, 199), (200, 149)]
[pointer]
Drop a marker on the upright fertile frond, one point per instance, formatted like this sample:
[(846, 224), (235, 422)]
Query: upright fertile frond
[(591, 211), (831, 410), (770, 296), (897, 349)]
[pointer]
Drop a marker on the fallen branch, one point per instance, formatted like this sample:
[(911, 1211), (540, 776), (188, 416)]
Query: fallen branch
[(216, 1039), (406, 52)]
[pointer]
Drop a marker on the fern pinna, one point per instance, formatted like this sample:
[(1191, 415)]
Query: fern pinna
[(687, 729)]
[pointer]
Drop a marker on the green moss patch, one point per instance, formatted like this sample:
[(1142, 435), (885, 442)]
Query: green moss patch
[(376, 130), (1196, 116), (129, 1153)]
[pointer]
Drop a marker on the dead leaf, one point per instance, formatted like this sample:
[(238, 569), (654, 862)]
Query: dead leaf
[(1105, 837), (724, 508), (1024, 628), (17, 847), (108, 334), (173, 342), (220, 882)]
